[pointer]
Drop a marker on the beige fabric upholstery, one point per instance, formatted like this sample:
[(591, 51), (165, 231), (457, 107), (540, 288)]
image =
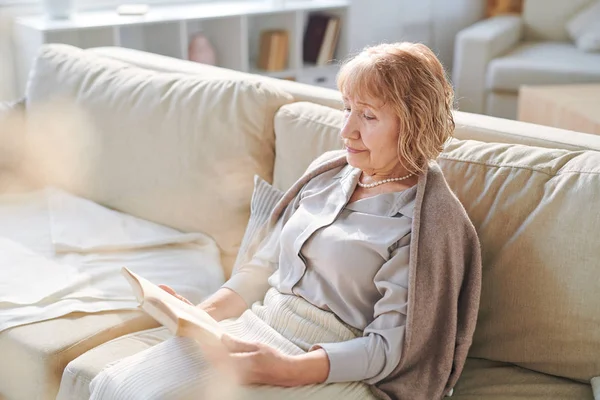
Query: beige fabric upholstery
[(539, 305), (180, 150), (491, 380), (490, 129), (156, 62), (542, 63), (39, 352), (547, 19), (303, 131)]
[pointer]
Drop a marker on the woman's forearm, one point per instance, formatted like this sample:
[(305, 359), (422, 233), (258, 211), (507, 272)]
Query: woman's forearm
[(309, 368), (224, 304)]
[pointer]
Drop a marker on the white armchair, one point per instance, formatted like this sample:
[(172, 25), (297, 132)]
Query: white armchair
[(494, 57)]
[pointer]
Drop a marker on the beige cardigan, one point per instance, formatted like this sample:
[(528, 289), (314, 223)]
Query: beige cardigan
[(444, 286)]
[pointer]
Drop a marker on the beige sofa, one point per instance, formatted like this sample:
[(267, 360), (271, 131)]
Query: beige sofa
[(495, 57), (179, 143)]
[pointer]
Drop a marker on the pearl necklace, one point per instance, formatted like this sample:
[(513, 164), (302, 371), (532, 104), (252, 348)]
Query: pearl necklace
[(371, 185)]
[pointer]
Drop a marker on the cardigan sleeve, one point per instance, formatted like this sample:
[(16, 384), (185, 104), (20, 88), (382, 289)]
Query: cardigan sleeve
[(376, 354), (251, 281)]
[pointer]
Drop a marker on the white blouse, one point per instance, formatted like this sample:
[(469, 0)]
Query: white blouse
[(347, 258)]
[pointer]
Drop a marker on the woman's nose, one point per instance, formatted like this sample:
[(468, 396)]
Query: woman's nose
[(349, 128)]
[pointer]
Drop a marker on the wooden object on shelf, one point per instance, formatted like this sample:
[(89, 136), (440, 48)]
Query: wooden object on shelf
[(499, 7), (320, 38), (572, 107), (274, 49)]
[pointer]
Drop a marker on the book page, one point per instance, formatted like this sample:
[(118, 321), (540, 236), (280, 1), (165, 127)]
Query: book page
[(179, 317)]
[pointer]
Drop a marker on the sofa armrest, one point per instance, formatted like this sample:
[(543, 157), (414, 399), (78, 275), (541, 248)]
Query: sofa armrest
[(474, 48)]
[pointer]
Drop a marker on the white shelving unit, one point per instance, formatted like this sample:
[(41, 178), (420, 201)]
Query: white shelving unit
[(233, 28)]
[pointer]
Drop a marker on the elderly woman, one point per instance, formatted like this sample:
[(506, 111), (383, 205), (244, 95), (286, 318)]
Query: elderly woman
[(367, 285)]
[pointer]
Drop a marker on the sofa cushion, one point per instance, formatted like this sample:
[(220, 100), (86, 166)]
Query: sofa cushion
[(547, 19), (40, 351), (532, 209), (585, 26), (179, 150), (492, 380), (157, 62), (542, 63), (303, 131)]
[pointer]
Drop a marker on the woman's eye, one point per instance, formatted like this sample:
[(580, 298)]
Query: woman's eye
[(368, 117), (347, 109)]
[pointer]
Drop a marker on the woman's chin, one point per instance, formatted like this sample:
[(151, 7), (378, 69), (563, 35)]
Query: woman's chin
[(353, 159)]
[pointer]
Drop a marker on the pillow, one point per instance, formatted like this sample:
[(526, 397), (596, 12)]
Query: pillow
[(584, 28), (264, 199)]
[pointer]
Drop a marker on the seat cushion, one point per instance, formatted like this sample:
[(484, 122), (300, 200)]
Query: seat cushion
[(491, 380), (542, 63), (40, 351), (177, 149)]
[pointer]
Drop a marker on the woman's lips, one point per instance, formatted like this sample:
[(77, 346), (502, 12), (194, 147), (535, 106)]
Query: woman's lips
[(351, 150)]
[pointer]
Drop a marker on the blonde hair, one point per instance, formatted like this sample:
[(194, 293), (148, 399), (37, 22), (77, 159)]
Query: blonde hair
[(409, 78)]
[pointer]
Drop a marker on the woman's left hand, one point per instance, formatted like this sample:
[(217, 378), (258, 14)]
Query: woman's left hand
[(257, 363)]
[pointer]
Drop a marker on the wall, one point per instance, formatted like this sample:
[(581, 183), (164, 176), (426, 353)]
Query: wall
[(433, 22), (451, 16)]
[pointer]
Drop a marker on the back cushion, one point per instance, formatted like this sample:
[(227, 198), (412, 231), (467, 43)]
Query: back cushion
[(176, 149), (547, 19), (303, 131), (536, 212)]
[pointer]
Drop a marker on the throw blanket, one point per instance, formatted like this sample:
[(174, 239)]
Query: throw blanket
[(444, 286), (60, 253)]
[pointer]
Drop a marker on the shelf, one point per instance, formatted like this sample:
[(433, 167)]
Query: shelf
[(226, 35), (175, 13), (84, 38), (154, 38), (286, 73), (233, 29)]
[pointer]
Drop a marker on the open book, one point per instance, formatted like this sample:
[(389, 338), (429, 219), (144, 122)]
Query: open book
[(180, 318)]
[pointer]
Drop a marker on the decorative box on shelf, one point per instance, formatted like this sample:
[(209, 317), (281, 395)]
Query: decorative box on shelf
[(232, 28)]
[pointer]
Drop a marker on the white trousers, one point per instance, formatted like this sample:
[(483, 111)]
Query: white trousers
[(176, 369)]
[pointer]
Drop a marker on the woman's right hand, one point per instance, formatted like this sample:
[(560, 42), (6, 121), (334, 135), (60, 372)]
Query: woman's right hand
[(223, 304), (170, 290)]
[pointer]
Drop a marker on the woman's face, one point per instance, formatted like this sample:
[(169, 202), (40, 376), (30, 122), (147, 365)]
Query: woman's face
[(370, 134)]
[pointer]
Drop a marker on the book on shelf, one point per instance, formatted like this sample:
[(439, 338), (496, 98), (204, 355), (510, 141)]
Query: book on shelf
[(320, 38), (273, 50), (180, 318)]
